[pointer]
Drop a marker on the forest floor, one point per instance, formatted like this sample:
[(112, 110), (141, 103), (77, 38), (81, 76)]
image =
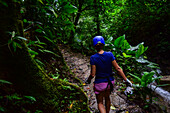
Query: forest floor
[(80, 66)]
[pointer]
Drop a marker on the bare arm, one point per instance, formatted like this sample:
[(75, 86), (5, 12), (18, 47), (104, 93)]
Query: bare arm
[(118, 69)]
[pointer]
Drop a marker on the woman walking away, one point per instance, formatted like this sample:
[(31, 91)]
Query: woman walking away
[(101, 69)]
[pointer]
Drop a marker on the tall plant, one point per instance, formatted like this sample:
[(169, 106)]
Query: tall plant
[(134, 63)]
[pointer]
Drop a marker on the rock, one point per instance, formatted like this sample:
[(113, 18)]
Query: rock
[(165, 79), (116, 100)]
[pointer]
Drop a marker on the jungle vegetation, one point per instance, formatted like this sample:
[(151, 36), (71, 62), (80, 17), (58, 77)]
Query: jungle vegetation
[(33, 74)]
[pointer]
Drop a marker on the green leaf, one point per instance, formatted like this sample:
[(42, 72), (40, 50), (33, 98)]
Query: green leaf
[(41, 1), (125, 45), (109, 40), (146, 48), (3, 3), (5, 82), (146, 106), (32, 52), (19, 37), (68, 8), (39, 26), (14, 46), (38, 30), (141, 60), (10, 41), (48, 39), (25, 21), (38, 46), (163, 85), (2, 109), (140, 51), (147, 78), (30, 97), (126, 56), (18, 45), (119, 41), (55, 14), (47, 51), (153, 79), (39, 62), (135, 76), (14, 96)]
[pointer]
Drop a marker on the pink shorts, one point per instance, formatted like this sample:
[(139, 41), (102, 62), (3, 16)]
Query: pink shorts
[(99, 87)]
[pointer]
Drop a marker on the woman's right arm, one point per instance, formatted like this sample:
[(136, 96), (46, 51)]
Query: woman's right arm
[(120, 72)]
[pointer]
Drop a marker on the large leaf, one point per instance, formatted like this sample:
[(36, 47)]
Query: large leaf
[(119, 41), (68, 8), (141, 60), (140, 51), (125, 45), (147, 78), (136, 47)]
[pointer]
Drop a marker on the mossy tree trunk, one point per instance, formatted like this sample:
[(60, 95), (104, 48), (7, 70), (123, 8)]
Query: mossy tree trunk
[(28, 77)]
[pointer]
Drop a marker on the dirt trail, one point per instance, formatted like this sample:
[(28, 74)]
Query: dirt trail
[(80, 65)]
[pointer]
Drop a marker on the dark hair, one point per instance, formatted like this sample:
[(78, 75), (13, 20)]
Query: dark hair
[(99, 46)]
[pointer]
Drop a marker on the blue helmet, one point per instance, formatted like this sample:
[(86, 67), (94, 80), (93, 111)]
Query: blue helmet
[(98, 39)]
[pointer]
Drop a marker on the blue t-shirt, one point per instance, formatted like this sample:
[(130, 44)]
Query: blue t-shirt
[(103, 63)]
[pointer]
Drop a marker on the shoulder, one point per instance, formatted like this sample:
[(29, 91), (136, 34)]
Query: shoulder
[(109, 53), (93, 56)]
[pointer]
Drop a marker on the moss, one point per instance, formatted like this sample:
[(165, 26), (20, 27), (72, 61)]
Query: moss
[(29, 78)]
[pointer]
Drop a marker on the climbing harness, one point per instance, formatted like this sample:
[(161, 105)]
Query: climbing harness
[(109, 82)]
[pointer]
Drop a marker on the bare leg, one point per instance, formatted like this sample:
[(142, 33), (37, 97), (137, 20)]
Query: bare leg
[(107, 101), (99, 98)]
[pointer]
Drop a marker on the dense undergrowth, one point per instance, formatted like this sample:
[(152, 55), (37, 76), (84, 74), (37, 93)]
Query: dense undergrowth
[(136, 66), (38, 26), (47, 79)]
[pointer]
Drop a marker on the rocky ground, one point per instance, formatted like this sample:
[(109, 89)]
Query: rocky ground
[(80, 66)]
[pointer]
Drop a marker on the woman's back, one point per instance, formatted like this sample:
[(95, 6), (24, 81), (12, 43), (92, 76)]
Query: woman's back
[(103, 63)]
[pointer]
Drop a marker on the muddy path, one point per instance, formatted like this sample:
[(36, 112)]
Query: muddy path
[(80, 66)]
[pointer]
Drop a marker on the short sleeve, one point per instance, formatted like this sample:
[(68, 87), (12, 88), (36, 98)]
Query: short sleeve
[(92, 61), (112, 56)]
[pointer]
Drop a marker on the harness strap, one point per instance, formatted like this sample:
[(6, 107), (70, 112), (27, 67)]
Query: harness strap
[(111, 85)]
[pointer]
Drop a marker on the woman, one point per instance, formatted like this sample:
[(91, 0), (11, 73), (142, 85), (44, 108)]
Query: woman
[(101, 69)]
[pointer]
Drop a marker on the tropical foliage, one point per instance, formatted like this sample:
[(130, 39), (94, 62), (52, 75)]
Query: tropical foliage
[(37, 27)]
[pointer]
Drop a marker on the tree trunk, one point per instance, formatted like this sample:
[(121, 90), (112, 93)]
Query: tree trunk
[(76, 20), (25, 74), (97, 9)]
